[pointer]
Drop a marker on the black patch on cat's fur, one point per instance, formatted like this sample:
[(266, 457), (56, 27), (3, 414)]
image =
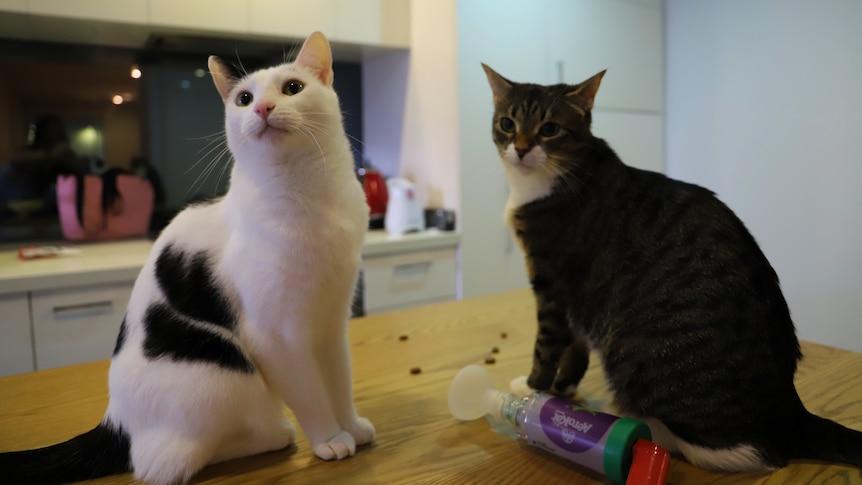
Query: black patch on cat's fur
[(191, 289), (121, 338), (204, 200), (669, 287), (99, 452), (171, 335)]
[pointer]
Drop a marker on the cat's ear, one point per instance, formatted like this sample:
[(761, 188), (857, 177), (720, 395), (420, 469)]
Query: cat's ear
[(500, 86), (225, 76), (316, 56), (587, 90)]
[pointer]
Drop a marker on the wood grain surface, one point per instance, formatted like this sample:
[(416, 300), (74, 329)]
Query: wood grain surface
[(417, 441)]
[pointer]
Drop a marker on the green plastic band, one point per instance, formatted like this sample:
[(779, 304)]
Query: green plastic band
[(618, 448)]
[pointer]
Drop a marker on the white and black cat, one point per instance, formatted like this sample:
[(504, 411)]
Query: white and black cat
[(662, 281), (243, 303)]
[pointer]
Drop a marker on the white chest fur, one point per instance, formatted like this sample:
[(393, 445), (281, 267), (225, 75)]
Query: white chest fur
[(530, 178)]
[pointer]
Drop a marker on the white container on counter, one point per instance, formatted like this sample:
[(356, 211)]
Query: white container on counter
[(403, 212)]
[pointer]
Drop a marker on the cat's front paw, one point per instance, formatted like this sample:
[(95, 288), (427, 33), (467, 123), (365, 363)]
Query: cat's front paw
[(518, 386), (564, 389), (339, 446), (362, 431), (540, 380)]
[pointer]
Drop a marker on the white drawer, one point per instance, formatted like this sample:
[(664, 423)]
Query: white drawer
[(408, 279), (77, 325), (16, 349)]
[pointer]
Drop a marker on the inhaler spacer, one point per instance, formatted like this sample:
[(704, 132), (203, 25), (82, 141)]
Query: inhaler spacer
[(617, 447)]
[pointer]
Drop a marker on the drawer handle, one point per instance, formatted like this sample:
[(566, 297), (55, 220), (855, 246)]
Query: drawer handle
[(412, 269), (88, 308)]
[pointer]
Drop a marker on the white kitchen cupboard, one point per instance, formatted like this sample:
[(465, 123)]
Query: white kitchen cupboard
[(408, 279), (223, 17), (62, 311), (71, 326), (624, 37), (129, 23), (51, 328), (44, 329), (16, 350), (127, 11)]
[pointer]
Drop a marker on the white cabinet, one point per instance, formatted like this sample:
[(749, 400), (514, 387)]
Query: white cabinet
[(127, 11), (62, 311), (408, 279), (18, 6), (625, 38), (230, 17), (43, 329), (72, 326), (16, 349), (383, 23), (292, 18), (373, 22)]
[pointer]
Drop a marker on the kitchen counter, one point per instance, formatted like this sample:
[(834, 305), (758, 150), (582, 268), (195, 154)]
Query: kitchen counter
[(417, 440), (109, 262)]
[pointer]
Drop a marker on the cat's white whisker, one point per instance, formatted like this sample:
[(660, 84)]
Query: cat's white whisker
[(201, 179), (211, 148), (212, 136), (239, 61), (224, 169), (311, 136)]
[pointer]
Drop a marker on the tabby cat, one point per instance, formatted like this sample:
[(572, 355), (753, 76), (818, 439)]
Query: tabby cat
[(243, 303), (662, 281)]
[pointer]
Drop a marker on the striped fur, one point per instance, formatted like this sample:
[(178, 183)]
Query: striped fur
[(662, 281)]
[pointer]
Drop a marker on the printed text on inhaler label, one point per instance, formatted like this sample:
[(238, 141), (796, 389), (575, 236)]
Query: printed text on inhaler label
[(560, 419)]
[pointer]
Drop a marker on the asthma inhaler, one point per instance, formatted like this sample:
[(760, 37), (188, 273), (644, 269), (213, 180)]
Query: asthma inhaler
[(599, 441)]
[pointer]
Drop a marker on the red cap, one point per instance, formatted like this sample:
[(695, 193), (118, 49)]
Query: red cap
[(649, 464)]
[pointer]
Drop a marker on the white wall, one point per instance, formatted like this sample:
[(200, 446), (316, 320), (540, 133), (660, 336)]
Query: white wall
[(508, 36), (410, 103), (429, 151), (764, 107)]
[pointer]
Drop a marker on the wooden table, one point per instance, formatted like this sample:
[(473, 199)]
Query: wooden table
[(417, 440)]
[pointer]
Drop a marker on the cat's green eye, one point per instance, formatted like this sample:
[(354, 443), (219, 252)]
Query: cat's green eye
[(292, 87), (507, 125), (549, 129), (244, 98)]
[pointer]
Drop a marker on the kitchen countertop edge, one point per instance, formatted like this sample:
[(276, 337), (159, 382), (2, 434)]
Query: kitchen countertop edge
[(20, 277)]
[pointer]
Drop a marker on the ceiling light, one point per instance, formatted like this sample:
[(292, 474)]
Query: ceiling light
[(117, 99), (136, 72)]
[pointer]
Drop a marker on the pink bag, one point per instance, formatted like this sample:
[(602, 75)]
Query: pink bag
[(112, 206)]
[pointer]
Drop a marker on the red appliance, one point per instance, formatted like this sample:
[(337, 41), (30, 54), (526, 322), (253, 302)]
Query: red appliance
[(376, 195)]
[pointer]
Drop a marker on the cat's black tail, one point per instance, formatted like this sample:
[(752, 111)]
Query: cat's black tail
[(821, 439), (102, 451)]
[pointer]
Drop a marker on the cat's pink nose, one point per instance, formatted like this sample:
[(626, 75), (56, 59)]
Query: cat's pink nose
[(264, 109)]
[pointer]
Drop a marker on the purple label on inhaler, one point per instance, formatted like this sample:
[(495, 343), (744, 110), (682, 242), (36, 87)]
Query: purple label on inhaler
[(568, 430), (572, 427)]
